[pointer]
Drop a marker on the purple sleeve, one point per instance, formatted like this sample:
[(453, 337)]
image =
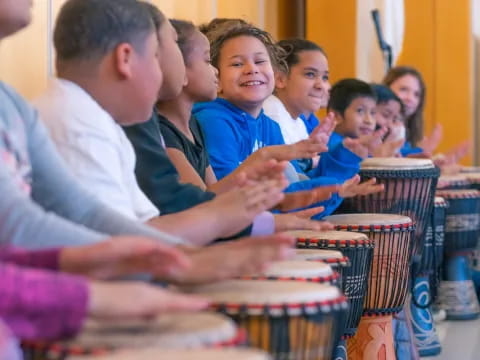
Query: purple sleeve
[(264, 224), (46, 259), (39, 304), (9, 347)]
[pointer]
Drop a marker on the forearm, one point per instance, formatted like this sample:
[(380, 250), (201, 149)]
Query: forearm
[(45, 259), (41, 304), (197, 226)]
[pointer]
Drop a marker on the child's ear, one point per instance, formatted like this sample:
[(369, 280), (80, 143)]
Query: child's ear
[(122, 57), (280, 80), (337, 117)]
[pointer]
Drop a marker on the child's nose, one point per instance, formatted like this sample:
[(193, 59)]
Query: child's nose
[(251, 68)]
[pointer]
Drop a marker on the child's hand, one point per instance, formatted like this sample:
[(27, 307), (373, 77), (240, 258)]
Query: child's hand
[(365, 145), (352, 187), (324, 130), (304, 198), (388, 148), (301, 221), (430, 143)]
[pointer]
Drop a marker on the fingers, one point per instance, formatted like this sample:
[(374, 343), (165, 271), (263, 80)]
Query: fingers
[(308, 213), (302, 199), (169, 301)]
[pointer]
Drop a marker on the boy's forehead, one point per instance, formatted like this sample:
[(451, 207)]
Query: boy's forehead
[(363, 99)]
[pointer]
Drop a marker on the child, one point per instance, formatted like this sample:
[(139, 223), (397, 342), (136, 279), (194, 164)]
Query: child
[(390, 114), (301, 87), (235, 125)]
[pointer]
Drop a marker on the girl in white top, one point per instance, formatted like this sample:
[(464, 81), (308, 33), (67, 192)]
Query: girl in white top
[(301, 87)]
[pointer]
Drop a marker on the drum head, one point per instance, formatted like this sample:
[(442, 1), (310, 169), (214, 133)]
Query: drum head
[(368, 219), (167, 354), (452, 180), (328, 235), (394, 163), (259, 293), (169, 331), (318, 254), (473, 178), (298, 269)]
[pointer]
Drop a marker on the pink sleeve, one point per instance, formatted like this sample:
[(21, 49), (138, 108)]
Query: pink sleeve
[(39, 304), (46, 259)]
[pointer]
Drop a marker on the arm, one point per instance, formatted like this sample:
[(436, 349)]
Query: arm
[(31, 299), (155, 173), (185, 170), (46, 259), (55, 190), (224, 147)]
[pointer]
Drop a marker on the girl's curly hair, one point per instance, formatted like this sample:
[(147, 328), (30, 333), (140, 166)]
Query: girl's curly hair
[(227, 30)]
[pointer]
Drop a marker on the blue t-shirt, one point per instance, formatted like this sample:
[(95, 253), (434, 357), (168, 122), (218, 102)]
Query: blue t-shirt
[(311, 122)]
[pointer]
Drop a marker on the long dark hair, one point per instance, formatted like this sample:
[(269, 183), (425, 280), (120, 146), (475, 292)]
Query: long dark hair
[(413, 123)]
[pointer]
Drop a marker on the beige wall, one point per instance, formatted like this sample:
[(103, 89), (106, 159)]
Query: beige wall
[(26, 59)]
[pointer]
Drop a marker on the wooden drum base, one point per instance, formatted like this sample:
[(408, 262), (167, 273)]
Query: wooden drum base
[(373, 340)]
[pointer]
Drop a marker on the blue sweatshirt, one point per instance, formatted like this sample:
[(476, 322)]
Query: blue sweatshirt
[(408, 149), (231, 135)]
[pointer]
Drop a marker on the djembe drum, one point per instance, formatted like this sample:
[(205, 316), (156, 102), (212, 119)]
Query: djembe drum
[(462, 228), (313, 244), (289, 319), (298, 270), (168, 354), (387, 281), (453, 182), (409, 190), (424, 290), (473, 178), (168, 331), (359, 249)]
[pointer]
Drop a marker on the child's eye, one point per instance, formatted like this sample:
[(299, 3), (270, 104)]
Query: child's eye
[(325, 78), (360, 110), (236, 64), (260, 62), (310, 75)]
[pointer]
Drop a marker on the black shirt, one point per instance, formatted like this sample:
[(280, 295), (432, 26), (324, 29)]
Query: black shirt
[(195, 152)]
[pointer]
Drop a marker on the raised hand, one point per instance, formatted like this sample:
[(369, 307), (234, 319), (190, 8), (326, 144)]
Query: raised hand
[(352, 187), (236, 258), (430, 143), (388, 148), (237, 208), (253, 171), (304, 198), (300, 220), (324, 130), (122, 256), (366, 144)]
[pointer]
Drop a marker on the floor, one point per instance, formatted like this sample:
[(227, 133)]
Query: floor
[(460, 340)]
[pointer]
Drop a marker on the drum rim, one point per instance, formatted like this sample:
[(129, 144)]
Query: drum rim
[(340, 244), (333, 277), (282, 309), (378, 228), (459, 194)]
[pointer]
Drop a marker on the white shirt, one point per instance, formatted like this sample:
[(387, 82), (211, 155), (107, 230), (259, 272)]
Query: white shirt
[(95, 148), (293, 130)]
